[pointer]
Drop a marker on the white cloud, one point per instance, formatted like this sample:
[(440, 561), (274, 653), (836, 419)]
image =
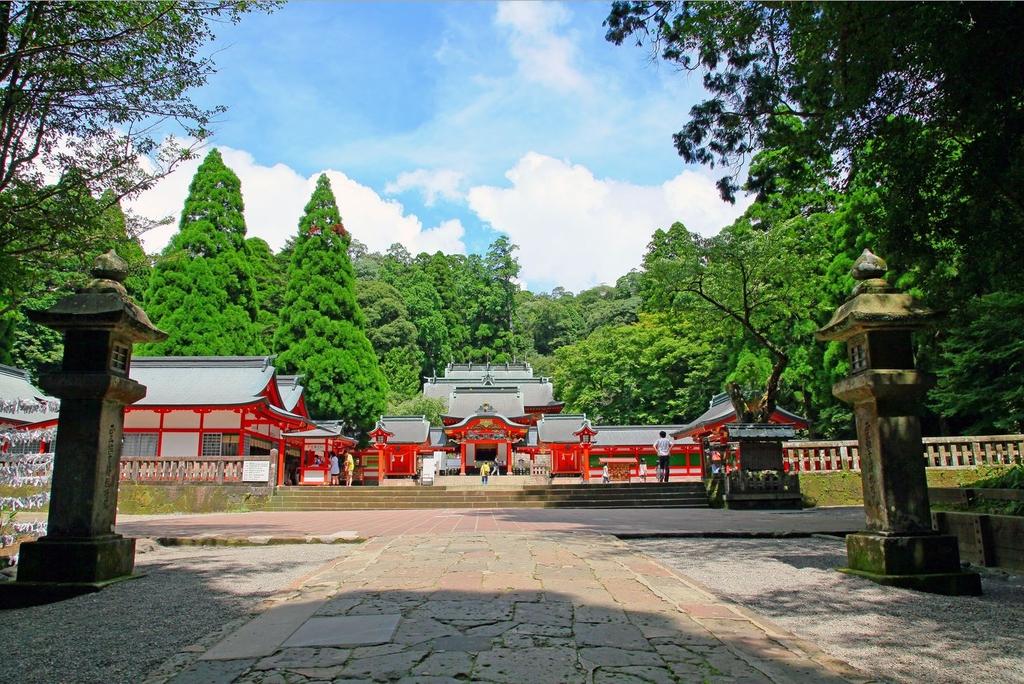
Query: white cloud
[(274, 199), (443, 183), (543, 55), (577, 230)]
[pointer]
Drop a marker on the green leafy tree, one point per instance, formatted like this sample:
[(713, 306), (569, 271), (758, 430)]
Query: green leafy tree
[(429, 407), (322, 332), (37, 348), (846, 70), (551, 322), (393, 336), (979, 383), (202, 291), (749, 278), (270, 275), (654, 371), (88, 89)]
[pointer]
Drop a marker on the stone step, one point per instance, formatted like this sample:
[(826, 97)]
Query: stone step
[(482, 492), (406, 491), (486, 505), (652, 495)]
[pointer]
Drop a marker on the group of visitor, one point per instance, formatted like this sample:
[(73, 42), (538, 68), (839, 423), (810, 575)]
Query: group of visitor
[(336, 467)]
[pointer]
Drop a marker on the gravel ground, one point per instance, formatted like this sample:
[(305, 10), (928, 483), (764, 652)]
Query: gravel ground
[(894, 634), (123, 634)]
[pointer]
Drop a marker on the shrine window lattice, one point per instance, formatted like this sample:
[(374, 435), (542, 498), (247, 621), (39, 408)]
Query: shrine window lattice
[(220, 444), (140, 444)]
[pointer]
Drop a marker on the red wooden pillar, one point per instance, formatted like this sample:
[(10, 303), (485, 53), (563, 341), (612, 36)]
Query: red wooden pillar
[(199, 447), (280, 461), (160, 435), (462, 458), (380, 464), (586, 462), (241, 435)]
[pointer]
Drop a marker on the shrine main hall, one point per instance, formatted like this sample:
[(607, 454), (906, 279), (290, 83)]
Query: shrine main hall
[(502, 414)]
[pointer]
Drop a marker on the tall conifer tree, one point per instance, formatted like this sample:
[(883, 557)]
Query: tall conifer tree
[(322, 332), (202, 290)]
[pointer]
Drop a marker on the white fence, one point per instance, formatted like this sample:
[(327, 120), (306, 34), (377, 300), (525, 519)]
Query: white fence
[(939, 452)]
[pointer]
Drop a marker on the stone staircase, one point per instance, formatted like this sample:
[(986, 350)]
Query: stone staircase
[(651, 495)]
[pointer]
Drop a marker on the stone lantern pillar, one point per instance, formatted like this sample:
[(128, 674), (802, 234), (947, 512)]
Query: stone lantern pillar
[(80, 552), (898, 547)]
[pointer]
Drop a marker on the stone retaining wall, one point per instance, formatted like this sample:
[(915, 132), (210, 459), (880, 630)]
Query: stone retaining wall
[(843, 487), (189, 498)]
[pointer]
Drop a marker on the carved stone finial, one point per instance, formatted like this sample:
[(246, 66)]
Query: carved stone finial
[(869, 271), (108, 273), (868, 266), (109, 266)]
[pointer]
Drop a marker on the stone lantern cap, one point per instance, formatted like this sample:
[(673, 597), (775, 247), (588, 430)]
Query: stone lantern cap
[(103, 304), (874, 305)]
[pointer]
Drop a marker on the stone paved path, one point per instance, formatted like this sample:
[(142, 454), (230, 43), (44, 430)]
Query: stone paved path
[(506, 607), (448, 521)]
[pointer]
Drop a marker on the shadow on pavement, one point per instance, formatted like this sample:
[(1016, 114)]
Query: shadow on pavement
[(514, 637), (125, 632), (896, 633)]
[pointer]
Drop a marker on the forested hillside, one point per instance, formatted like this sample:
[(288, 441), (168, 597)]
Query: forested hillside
[(698, 316), (915, 151)]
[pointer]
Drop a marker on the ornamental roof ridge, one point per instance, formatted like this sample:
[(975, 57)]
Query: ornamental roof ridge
[(204, 361), (485, 389), (665, 426), (18, 373)]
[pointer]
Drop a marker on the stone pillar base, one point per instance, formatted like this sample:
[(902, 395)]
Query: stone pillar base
[(88, 560), (925, 562), (27, 594)]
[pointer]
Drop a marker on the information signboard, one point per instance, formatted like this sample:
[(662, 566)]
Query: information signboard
[(256, 471)]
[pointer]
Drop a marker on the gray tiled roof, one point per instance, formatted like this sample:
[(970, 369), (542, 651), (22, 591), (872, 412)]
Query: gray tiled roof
[(462, 371), (436, 390), (15, 384), (290, 389), (202, 380), (406, 429), (466, 401), (496, 416), (321, 431), (536, 391), (634, 435), (559, 428), (438, 438), (760, 431), (721, 409)]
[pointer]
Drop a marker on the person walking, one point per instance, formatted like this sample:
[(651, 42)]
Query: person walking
[(663, 447), (606, 476), (350, 468), (335, 470), (643, 470), (485, 470)]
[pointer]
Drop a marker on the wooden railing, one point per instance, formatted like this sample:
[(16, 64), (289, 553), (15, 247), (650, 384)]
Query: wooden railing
[(212, 469), (939, 452)]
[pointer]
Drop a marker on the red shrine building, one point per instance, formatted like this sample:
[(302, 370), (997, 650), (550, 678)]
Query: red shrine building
[(235, 420), (502, 414)]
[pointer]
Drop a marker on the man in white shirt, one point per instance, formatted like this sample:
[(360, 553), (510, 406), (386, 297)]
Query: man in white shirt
[(663, 448)]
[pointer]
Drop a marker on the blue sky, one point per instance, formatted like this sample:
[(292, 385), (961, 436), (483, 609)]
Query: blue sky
[(443, 124)]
